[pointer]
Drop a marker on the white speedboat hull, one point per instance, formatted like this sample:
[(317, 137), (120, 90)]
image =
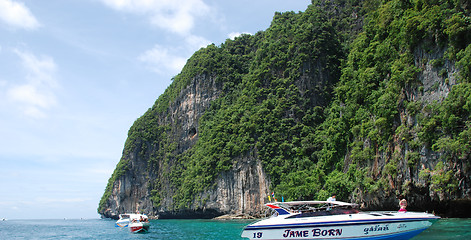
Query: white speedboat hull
[(139, 227), (359, 229), (365, 226), (135, 222), (122, 223)]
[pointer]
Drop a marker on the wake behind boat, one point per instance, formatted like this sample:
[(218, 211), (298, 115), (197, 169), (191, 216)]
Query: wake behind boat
[(336, 220), (137, 223)]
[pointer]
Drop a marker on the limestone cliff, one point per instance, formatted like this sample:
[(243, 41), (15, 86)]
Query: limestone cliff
[(370, 100), (131, 191)]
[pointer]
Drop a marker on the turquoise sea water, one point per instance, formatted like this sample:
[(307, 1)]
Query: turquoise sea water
[(457, 229)]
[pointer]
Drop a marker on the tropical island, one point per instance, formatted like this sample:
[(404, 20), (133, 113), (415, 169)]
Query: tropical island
[(369, 100)]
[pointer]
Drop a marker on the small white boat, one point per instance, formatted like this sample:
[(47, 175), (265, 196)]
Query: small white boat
[(135, 222), (139, 226), (336, 220)]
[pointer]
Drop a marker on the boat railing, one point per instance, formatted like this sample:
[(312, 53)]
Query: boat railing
[(337, 211)]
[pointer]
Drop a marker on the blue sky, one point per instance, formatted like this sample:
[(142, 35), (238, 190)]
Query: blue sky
[(75, 75)]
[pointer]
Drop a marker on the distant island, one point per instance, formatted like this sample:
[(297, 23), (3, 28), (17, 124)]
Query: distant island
[(368, 100)]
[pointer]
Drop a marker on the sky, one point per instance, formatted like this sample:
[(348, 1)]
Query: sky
[(75, 75)]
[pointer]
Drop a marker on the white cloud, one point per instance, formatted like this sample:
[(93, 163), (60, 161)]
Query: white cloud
[(40, 70), (31, 100), (37, 94), (17, 14), (160, 60), (196, 42), (233, 35), (175, 16)]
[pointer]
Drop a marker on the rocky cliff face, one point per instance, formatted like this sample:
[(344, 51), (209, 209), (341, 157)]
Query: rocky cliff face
[(131, 192), (368, 154), (437, 83), (241, 191)]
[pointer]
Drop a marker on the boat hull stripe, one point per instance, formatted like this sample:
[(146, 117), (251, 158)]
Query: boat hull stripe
[(405, 235), (339, 223)]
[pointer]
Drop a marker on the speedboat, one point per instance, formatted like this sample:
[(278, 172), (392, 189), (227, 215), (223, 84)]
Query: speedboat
[(135, 222), (139, 226), (336, 220)]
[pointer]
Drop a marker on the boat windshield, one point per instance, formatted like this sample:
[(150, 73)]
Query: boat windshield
[(325, 212), (321, 210)]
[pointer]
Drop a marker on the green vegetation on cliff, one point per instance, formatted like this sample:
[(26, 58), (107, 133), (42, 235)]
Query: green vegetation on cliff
[(375, 106), (320, 98)]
